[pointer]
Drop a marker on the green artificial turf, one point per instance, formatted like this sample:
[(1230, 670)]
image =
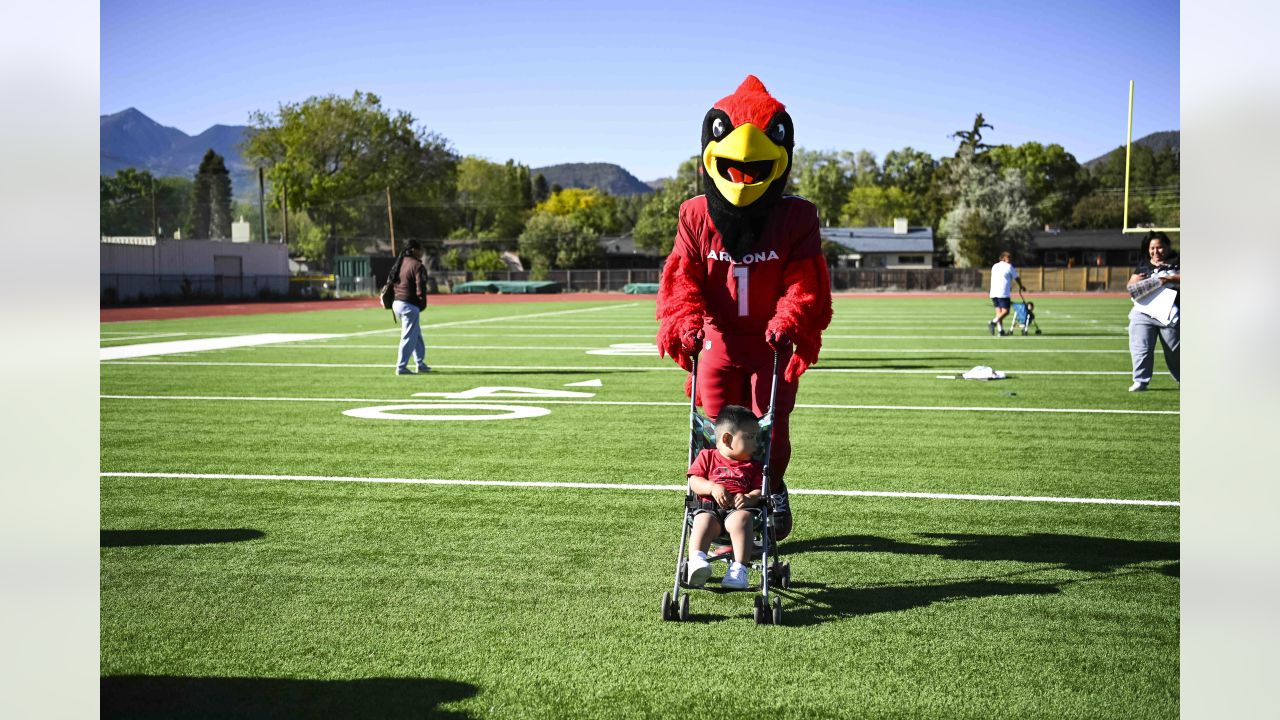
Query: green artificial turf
[(320, 598)]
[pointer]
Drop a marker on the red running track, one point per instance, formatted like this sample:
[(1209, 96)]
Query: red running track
[(169, 312)]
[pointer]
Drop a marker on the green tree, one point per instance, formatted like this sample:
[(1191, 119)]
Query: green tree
[(989, 211), (918, 174), (483, 262), (875, 206), (541, 191), (1055, 181), (1154, 181), (494, 199), (589, 207), (336, 157), (1104, 210), (128, 199), (824, 178), (211, 199), (560, 241), (655, 228)]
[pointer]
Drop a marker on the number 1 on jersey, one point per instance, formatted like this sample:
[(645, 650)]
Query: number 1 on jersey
[(740, 273)]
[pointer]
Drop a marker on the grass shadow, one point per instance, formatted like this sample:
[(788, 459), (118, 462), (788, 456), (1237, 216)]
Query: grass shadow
[(1072, 552), (814, 603), (165, 696), (139, 538)]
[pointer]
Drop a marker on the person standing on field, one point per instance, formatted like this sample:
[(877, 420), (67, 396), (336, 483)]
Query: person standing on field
[(410, 277), (1003, 275)]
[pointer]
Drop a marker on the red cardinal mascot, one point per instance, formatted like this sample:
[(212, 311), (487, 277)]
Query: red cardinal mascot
[(746, 276)]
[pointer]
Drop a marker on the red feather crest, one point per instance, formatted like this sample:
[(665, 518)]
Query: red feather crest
[(750, 103)]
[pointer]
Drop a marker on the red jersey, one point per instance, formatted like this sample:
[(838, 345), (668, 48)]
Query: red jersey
[(741, 297), (737, 476)]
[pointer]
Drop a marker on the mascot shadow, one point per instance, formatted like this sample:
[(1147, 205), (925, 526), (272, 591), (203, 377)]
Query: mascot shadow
[(163, 696), (812, 603)]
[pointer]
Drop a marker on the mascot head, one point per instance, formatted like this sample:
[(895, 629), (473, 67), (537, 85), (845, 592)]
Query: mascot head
[(747, 140)]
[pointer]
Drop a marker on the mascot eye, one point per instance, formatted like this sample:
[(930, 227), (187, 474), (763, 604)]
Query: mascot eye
[(778, 132), (717, 128)]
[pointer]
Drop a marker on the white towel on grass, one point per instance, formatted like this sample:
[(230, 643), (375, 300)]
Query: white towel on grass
[(982, 372)]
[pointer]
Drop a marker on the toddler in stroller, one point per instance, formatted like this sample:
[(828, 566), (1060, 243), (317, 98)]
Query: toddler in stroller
[(729, 491), (727, 481)]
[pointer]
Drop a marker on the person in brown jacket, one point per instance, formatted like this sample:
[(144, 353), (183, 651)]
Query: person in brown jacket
[(410, 277)]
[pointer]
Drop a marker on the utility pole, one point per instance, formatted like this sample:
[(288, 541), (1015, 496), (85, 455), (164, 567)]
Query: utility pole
[(262, 205), (391, 223), (284, 190), (155, 228)]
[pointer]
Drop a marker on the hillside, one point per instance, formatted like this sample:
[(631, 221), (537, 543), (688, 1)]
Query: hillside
[(131, 139), (1157, 141), (606, 177)]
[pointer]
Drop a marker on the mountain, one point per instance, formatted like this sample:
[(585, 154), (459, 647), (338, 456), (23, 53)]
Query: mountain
[(605, 177), (131, 139), (1157, 141)]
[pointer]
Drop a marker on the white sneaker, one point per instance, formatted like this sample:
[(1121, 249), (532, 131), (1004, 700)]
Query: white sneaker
[(1138, 387), (736, 578), (699, 571)]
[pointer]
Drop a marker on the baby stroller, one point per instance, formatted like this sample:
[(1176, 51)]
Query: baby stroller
[(1024, 315), (675, 603)]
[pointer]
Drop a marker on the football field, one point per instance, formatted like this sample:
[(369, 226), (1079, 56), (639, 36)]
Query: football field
[(291, 530)]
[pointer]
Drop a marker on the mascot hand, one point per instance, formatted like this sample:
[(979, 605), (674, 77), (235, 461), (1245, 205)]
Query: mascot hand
[(691, 341), (777, 339)]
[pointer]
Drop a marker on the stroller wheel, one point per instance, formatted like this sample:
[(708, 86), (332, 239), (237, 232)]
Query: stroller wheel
[(684, 607), (761, 611), (667, 606), (1024, 331), (785, 581), (777, 610), (1037, 331)]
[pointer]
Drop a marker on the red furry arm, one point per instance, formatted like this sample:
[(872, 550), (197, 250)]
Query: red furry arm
[(804, 311), (681, 307)]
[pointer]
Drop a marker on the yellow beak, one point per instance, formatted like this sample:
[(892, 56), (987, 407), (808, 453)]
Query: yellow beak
[(744, 164)]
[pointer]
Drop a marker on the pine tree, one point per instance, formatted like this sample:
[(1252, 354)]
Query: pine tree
[(211, 199)]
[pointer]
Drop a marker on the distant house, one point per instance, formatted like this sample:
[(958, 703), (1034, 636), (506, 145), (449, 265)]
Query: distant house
[(1053, 247), (899, 247), (620, 252)]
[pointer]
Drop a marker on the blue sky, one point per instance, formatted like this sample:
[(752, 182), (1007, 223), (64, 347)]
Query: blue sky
[(628, 83)]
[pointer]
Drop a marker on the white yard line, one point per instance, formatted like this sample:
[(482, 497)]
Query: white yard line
[(433, 326), (184, 346), (533, 369), (851, 351), (548, 401), (622, 486)]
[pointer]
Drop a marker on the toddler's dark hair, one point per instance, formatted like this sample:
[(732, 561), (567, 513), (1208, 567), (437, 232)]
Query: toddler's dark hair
[(735, 418)]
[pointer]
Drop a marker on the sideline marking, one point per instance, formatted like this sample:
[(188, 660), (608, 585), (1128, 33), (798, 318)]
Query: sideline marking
[(119, 338), (184, 346), (660, 403), (628, 486)]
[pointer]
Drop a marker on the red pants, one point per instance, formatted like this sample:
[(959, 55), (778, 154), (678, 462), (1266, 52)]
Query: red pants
[(738, 370)]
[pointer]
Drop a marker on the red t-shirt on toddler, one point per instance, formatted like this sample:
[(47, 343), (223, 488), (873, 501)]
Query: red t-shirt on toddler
[(737, 476)]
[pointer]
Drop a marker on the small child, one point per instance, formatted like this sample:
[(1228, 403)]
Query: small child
[(729, 478)]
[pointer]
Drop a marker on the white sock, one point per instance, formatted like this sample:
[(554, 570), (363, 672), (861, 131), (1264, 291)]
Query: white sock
[(736, 565), (699, 554)]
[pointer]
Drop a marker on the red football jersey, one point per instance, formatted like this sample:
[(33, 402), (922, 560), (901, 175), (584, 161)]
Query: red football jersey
[(741, 297), (737, 476)]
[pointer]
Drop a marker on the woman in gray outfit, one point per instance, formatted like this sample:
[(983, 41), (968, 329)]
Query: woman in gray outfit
[(1157, 272)]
